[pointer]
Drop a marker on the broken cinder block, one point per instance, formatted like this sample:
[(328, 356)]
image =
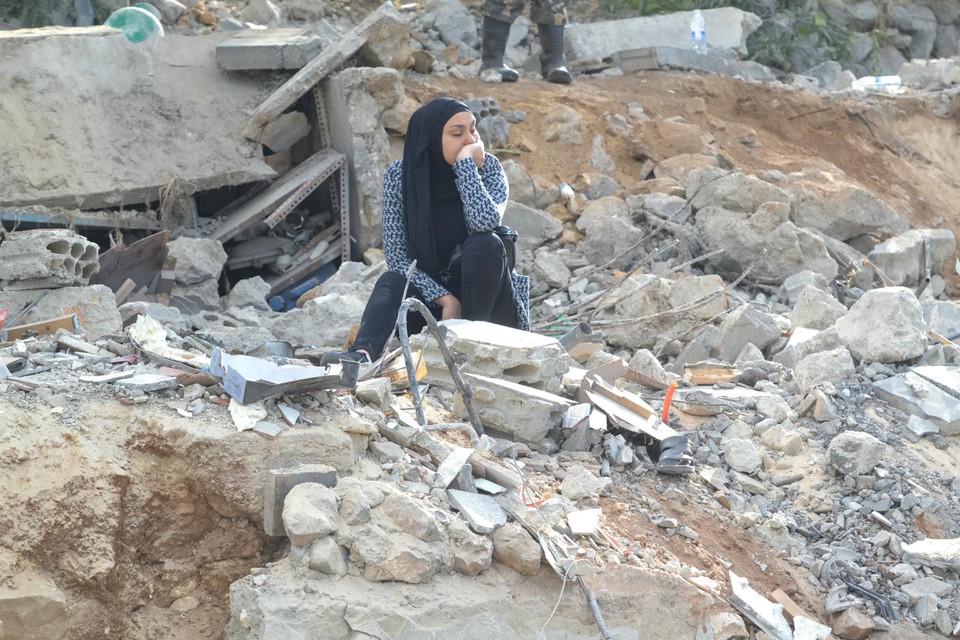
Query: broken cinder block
[(47, 258)]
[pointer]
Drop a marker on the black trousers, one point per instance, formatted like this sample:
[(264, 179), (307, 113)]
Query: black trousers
[(483, 287)]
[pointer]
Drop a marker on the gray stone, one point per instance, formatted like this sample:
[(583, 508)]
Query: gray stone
[(885, 325), (198, 259), (237, 339), (947, 44), (839, 208), (714, 187), (409, 516), (255, 49), (854, 453), (794, 286), (922, 30), (900, 259), (825, 367), (816, 309), (741, 455), (598, 185), (599, 157), (673, 172), (783, 438), (170, 10), (387, 451), (942, 316), (310, 513), (579, 483), (824, 409), (929, 586), (642, 303), (644, 362), (827, 74), (705, 292), (327, 556), (278, 485), (533, 227), (609, 232), (168, 316), (746, 325), (664, 206), (727, 625), (284, 132), (472, 553), (530, 191), (853, 624), (481, 512), (495, 351), (921, 427), (513, 547), (918, 396), (262, 12), (728, 29), (386, 555), (376, 392), (324, 321), (766, 235), (456, 25), (563, 125), (47, 258), (549, 268), (702, 347), (804, 342)]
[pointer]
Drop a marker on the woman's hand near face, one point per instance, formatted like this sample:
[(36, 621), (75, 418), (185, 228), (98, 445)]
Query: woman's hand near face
[(474, 150), (450, 306)]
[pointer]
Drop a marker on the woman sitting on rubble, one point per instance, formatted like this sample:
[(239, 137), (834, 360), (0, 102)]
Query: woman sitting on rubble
[(442, 206)]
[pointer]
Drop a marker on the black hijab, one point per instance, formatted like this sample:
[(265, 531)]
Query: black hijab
[(431, 202)]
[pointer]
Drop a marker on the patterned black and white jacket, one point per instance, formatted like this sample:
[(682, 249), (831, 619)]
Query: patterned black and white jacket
[(484, 194)]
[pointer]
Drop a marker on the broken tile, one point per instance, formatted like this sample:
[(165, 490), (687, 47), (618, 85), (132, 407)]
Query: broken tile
[(482, 513)]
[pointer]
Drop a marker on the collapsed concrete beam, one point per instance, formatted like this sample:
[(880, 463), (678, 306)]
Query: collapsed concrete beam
[(384, 27), (140, 116), (267, 49)]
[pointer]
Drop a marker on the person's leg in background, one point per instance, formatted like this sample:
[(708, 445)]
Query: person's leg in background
[(379, 320), (551, 19), (498, 15), (486, 290)]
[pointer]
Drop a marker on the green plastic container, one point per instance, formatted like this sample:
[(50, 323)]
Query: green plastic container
[(136, 23)]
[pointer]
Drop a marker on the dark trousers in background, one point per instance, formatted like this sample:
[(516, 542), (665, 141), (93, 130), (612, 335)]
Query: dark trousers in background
[(483, 287)]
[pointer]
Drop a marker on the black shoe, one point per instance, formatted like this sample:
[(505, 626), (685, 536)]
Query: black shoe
[(334, 357), (494, 42), (553, 63)]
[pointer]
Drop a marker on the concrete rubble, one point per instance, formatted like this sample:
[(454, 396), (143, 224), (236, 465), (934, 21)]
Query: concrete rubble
[(803, 391)]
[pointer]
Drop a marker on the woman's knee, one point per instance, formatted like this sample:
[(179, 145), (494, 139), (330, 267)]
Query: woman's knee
[(483, 245)]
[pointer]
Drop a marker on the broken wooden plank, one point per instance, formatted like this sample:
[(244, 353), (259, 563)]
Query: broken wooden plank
[(330, 59), (284, 188), (790, 608), (139, 262), (42, 328)]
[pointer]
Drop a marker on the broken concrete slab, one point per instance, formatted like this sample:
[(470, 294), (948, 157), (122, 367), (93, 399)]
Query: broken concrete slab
[(450, 468), (280, 482), (493, 350), (672, 57), (47, 258), (268, 49), (384, 33), (901, 258), (519, 412), (728, 30), (147, 382), (763, 613), (918, 395), (165, 102), (482, 513)]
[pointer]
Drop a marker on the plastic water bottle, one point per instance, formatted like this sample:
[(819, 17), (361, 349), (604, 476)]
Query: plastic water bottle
[(136, 23), (889, 84), (698, 32)]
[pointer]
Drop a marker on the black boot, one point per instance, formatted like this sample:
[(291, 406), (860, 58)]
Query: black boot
[(553, 64), (495, 34)]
